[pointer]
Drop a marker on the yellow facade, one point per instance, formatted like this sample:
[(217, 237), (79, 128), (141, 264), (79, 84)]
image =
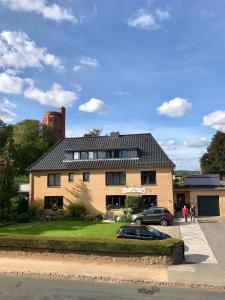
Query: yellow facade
[(93, 193), (191, 196)]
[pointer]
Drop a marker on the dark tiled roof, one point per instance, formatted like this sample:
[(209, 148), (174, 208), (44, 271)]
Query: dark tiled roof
[(151, 153)]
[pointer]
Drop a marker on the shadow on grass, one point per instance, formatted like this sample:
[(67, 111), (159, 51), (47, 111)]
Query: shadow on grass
[(66, 228)]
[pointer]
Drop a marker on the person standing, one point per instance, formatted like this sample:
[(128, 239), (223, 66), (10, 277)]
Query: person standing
[(192, 212), (185, 212)]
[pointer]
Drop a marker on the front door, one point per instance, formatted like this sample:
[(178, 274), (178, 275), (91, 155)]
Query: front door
[(180, 201)]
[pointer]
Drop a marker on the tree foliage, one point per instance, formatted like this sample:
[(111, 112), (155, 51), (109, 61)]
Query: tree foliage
[(93, 132), (32, 139), (213, 161)]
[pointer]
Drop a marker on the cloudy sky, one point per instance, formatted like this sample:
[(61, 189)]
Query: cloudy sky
[(120, 65)]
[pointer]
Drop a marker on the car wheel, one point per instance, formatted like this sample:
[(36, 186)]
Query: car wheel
[(164, 222), (138, 221)]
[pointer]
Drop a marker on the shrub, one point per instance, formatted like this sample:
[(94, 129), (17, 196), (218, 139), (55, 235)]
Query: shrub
[(35, 210), (77, 210), (98, 217), (23, 218), (23, 205), (133, 202), (95, 245)]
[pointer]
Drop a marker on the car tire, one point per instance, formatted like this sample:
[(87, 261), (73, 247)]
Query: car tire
[(138, 221), (164, 222)]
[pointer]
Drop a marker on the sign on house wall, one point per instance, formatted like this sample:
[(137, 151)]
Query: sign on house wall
[(133, 189)]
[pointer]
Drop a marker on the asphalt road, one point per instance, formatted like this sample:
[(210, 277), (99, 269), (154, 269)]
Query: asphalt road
[(12, 288), (214, 228)]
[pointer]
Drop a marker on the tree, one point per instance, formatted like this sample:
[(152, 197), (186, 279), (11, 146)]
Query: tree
[(213, 161), (93, 132), (7, 173), (32, 139)]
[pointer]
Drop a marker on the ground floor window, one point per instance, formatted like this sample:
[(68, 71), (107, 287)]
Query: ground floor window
[(53, 202), (149, 201), (115, 201)]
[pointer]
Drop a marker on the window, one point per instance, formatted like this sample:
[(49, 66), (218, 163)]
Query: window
[(91, 155), (149, 201), (71, 176), (68, 155), (76, 155), (86, 176), (115, 201), (83, 155), (53, 201), (101, 154), (145, 233), (53, 179), (124, 154), (115, 178), (148, 177), (131, 231)]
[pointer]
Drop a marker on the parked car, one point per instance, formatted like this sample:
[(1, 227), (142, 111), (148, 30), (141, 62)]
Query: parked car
[(140, 232), (155, 215)]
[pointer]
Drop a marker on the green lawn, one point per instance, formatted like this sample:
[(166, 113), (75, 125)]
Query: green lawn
[(64, 228)]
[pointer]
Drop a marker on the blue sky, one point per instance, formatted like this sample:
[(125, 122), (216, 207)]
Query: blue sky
[(121, 65)]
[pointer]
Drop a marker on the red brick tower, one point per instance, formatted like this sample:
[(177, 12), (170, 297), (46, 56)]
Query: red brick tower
[(56, 121)]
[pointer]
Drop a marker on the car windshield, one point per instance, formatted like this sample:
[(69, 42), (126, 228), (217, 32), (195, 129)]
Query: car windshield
[(154, 231)]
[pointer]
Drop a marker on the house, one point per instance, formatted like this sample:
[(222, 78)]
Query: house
[(203, 191), (102, 171)]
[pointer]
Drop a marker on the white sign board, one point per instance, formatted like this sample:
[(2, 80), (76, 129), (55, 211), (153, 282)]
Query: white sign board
[(133, 190)]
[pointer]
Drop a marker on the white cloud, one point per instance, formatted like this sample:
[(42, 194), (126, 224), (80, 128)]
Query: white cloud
[(5, 113), (148, 19), (196, 143), (77, 68), (174, 108), (162, 14), (121, 93), (56, 96), (215, 120), (86, 62), (94, 106), (168, 145), (18, 51), (53, 12), (77, 87), (10, 84)]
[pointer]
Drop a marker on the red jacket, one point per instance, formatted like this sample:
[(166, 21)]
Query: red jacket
[(184, 211)]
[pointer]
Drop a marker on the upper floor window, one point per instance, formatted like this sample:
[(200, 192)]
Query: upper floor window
[(76, 155), (148, 177), (101, 154), (53, 179), (115, 178), (71, 176), (86, 176)]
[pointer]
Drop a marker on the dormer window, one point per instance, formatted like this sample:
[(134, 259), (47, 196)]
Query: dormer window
[(76, 155), (101, 154)]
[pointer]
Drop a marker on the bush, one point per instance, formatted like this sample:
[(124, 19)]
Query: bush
[(133, 202), (23, 205), (77, 210), (95, 245), (35, 210), (23, 218)]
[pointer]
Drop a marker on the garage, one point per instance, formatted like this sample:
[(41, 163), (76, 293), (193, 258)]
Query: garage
[(208, 206)]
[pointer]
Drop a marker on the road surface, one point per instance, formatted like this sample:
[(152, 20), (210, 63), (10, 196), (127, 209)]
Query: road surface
[(16, 288)]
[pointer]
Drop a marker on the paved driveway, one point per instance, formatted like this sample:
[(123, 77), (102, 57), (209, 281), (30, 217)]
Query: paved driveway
[(214, 231)]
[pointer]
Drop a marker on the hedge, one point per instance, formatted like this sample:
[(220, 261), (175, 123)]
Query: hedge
[(95, 245)]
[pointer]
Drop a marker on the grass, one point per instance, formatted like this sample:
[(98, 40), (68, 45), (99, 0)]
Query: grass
[(64, 228)]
